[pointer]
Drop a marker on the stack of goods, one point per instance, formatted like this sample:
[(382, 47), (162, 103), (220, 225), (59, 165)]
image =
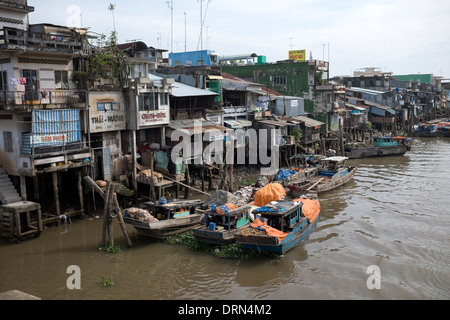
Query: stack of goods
[(140, 214), (244, 194), (101, 183), (145, 176)]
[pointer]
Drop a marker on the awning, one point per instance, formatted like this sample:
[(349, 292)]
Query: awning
[(276, 123), (194, 128), (233, 124), (180, 90), (245, 123), (213, 77)]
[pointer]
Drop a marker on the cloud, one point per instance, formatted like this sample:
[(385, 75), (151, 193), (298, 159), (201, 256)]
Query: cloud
[(403, 36)]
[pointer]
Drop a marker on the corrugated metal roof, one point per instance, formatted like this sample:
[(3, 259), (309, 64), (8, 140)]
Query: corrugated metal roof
[(276, 123), (183, 90), (193, 127), (309, 122)]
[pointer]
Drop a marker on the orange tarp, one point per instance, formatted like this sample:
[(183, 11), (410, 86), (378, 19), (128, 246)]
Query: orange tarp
[(230, 207), (310, 208), (271, 192), (258, 224)]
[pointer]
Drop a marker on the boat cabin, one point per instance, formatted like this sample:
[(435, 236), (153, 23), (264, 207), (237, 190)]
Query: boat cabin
[(282, 216), (173, 209), (228, 220), (389, 141), (334, 167)]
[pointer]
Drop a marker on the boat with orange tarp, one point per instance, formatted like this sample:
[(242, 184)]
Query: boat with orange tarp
[(280, 225)]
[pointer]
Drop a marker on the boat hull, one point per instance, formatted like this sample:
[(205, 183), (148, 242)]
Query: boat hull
[(333, 184), (165, 228), (217, 237), (269, 244), (367, 152)]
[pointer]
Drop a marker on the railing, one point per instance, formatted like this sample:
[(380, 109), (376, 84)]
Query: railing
[(382, 120), (16, 99), (49, 42)]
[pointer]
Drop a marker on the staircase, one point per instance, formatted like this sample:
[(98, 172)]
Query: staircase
[(8, 193)]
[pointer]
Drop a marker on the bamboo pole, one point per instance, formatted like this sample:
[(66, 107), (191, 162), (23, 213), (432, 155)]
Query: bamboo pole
[(185, 185), (91, 183)]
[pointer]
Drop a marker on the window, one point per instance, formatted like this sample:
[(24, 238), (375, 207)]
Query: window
[(3, 81), (279, 80), (108, 106), (148, 102), (7, 141), (61, 80), (164, 99)]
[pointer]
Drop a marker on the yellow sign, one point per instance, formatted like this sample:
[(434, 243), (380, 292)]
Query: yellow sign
[(298, 55)]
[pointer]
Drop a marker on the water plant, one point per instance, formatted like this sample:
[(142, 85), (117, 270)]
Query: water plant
[(107, 282), (108, 248)]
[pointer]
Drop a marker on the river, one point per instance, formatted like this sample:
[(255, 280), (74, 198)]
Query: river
[(393, 216)]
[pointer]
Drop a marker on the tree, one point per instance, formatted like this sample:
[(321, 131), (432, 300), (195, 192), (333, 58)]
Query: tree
[(111, 8)]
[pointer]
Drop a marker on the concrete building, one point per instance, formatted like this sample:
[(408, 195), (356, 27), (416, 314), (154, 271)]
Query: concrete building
[(43, 114)]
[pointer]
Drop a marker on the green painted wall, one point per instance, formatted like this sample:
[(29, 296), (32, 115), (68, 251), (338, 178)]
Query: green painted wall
[(424, 78), (296, 76)]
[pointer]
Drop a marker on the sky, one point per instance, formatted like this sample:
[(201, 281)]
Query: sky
[(399, 36)]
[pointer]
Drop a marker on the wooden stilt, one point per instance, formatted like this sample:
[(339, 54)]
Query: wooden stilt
[(56, 194), (105, 212), (36, 187), (80, 192), (188, 182)]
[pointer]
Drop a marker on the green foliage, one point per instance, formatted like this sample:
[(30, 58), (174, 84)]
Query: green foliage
[(232, 251), (108, 62), (107, 282), (108, 248), (297, 133)]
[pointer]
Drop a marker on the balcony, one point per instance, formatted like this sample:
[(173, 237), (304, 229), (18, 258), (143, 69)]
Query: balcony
[(16, 39), (18, 100), (20, 5), (382, 120)]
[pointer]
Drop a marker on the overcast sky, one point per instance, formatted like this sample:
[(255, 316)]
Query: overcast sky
[(402, 36)]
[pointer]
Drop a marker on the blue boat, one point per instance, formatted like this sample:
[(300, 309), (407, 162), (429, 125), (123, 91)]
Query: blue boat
[(280, 227), (220, 228)]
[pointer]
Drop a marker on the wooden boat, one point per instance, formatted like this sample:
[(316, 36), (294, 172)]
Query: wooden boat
[(382, 146), (433, 129), (280, 228), (219, 228), (332, 174), (172, 218)]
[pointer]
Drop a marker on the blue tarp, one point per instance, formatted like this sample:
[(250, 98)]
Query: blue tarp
[(284, 174), (265, 209)]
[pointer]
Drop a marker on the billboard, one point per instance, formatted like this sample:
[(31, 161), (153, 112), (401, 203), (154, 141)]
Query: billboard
[(298, 55)]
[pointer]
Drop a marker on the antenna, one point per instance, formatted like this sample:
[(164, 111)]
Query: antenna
[(170, 5), (291, 43), (185, 41)]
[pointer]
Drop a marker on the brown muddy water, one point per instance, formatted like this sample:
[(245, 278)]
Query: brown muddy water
[(395, 215)]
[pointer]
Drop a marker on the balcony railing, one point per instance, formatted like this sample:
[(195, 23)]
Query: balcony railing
[(382, 120), (10, 100), (11, 38)]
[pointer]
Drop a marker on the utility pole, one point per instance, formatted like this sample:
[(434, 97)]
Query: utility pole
[(185, 41), (170, 5)]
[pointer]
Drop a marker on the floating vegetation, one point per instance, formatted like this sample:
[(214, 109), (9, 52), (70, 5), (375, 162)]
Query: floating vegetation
[(107, 282), (231, 251), (108, 248)]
